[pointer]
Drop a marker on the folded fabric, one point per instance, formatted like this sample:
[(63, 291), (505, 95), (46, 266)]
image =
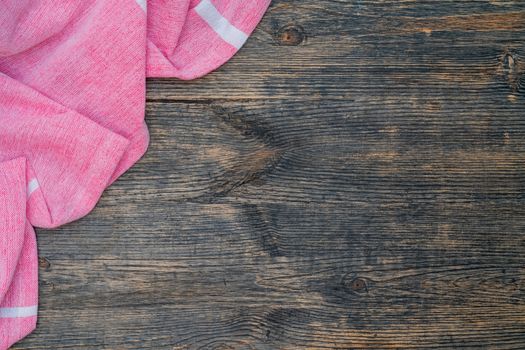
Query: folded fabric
[(72, 98)]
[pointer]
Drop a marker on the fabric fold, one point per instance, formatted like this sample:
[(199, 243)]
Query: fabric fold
[(212, 32), (18, 259), (72, 102), (71, 159)]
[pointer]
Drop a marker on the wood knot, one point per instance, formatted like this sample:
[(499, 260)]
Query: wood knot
[(44, 263), (358, 285), (355, 284), (291, 35), (508, 62), (512, 69)]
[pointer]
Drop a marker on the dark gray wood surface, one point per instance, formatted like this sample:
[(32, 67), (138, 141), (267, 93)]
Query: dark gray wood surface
[(353, 178)]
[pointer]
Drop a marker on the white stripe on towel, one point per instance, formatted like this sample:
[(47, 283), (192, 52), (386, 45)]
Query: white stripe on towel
[(15, 312), (227, 31), (32, 186), (143, 4)]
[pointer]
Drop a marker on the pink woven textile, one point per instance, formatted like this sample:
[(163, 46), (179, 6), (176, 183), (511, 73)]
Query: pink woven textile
[(72, 96)]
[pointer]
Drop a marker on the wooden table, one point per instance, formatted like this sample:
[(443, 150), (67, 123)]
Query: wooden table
[(353, 178)]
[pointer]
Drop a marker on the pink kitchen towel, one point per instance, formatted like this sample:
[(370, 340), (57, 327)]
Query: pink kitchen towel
[(72, 99)]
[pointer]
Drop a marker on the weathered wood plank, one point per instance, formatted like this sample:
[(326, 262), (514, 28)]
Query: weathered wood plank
[(267, 276), (354, 178)]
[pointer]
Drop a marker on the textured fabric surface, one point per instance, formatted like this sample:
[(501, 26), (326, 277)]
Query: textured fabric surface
[(72, 98)]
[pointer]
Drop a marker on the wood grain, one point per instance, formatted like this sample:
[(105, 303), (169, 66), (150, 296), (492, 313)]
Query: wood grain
[(353, 178)]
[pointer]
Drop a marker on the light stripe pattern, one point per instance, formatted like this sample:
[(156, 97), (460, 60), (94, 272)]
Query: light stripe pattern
[(32, 186), (18, 312), (227, 31), (143, 4)]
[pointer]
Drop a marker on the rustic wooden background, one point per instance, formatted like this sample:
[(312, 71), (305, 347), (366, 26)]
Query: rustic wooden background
[(353, 178)]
